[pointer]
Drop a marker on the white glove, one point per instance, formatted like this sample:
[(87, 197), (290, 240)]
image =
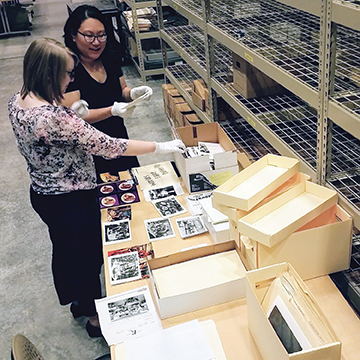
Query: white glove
[(141, 90), (81, 108), (169, 147), (119, 109)]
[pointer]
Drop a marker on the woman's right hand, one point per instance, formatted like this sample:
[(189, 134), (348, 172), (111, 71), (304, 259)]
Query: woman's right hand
[(120, 109)]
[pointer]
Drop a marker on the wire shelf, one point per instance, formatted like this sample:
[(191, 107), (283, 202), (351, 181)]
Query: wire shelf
[(185, 75)]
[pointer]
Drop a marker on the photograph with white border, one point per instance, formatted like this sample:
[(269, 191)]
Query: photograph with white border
[(190, 226), (124, 267), (117, 231), (159, 229), (169, 206), (163, 192)]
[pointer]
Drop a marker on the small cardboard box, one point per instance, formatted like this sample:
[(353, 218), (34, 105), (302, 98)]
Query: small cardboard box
[(191, 280), (165, 90), (219, 232), (192, 120), (236, 214), (224, 163), (320, 247), (255, 182), (181, 109), (263, 333), (251, 82), (280, 217)]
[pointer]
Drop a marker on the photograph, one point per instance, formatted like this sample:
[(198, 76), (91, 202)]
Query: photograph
[(169, 206), (117, 231), (159, 229), (125, 308), (118, 213), (145, 252), (124, 267), (190, 226)]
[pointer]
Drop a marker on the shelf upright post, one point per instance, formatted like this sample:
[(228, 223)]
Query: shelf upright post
[(324, 124), (138, 40), (160, 16), (210, 60)]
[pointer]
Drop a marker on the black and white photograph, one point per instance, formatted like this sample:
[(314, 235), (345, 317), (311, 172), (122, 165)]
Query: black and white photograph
[(124, 267), (125, 308), (169, 206), (190, 226), (117, 231), (163, 192), (118, 213), (159, 229)]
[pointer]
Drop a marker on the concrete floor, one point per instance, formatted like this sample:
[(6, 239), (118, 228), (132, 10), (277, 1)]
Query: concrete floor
[(28, 302)]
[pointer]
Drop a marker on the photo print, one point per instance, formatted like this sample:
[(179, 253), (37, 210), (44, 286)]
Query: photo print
[(124, 267), (159, 229), (145, 253), (118, 213), (169, 206), (190, 226), (117, 231), (164, 192), (127, 308)]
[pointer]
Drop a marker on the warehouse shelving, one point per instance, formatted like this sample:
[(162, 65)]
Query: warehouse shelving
[(282, 39)]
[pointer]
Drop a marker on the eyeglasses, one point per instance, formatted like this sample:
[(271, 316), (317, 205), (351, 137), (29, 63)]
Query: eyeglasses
[(91, 38), (71, 74)]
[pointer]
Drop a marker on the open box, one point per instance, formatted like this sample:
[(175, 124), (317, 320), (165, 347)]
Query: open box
[(255, 182), (266, 338), (197, 278), (225, 164), (236, 214), (282, 216), (320, 247)]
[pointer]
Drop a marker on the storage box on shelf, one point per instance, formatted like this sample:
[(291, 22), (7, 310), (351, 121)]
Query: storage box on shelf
[(251, 82), (192, 279), (274, 338), (196, 170)]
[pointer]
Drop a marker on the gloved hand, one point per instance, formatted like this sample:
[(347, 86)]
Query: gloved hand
[(141, 90), (119, 109), (169, 147), (81, 108)]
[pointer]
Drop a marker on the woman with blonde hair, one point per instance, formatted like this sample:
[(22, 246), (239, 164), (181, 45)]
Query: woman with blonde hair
[(58, 147)]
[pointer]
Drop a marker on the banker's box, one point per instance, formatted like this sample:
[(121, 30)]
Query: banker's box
[(225, 164), (251, 82), (320, 247), (201, 281), (264, 335)]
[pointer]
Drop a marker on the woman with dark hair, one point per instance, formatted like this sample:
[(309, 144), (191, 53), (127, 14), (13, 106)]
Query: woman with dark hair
[(99, 84), (58, 147)]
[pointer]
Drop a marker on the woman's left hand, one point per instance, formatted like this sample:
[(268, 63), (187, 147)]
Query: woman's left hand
[(140, 91)]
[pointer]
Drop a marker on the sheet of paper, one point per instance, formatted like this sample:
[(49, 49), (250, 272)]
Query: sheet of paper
[(182, 342), (160, 193), (127, 315), (156, 175)]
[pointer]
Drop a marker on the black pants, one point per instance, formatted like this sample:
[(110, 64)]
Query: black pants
[(73, 221)]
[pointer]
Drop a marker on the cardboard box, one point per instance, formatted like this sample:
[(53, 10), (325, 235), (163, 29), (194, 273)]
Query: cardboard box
[(198, 94), (236, 214), (219, 232), (270, 346), (251, 82), (181, 109), (191, 280), (192, 120), (280, 217), (255, 182), (320, 247), (225, 164)]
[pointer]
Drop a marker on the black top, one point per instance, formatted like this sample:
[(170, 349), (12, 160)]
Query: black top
[(100, 95)]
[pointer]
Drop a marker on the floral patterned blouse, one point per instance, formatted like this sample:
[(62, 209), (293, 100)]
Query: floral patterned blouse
[(58, 147)]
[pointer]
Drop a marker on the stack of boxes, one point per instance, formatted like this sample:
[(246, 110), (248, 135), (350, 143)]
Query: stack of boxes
[(278, 215)]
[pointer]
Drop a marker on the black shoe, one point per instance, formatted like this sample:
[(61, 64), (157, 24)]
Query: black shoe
[(76, 311), (92, 330)]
